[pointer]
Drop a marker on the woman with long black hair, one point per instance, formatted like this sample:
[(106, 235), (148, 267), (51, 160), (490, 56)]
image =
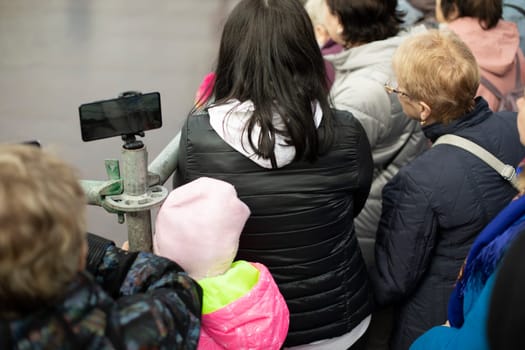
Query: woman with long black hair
[(303, 168)]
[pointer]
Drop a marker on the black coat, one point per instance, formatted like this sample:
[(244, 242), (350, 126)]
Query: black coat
[(433, 210), (301, 223)]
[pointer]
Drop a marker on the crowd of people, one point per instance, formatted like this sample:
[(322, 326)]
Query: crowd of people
[(318, 202)]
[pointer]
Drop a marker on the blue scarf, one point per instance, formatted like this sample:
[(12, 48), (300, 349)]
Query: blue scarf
[(485, 254)]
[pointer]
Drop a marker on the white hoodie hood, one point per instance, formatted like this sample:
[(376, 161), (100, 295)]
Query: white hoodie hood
[(229, 120)]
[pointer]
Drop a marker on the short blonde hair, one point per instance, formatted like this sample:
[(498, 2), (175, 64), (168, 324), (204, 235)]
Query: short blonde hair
[(438, 68), (42, 227)]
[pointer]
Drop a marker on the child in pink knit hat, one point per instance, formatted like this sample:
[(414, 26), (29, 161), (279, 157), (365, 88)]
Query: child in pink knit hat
[(198, 226)]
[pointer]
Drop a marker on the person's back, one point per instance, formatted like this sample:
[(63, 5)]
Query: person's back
[(86, 316), (470, 301), (301, 223), (59, 292), (370, 33), (480, 308), (436, 205), (460, 202), (303, 169), (493, 41)]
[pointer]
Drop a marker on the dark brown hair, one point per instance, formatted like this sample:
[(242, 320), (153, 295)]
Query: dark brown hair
[(488, 12), (365, 21), (269, 55)]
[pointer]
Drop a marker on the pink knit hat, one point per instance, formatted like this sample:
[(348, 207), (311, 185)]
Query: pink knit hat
[(199, 225)]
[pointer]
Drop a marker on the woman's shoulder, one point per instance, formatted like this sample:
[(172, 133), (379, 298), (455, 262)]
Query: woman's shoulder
[(198, 114), (344, 118), (199, 119), (341, 114)]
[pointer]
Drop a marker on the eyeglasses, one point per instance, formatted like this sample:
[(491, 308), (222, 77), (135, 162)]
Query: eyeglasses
[(392, 90)]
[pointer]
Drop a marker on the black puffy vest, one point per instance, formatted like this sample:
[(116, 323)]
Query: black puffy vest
[(301, 224)]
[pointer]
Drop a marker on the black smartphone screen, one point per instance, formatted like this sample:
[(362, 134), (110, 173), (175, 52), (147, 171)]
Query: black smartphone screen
[(121, 116)]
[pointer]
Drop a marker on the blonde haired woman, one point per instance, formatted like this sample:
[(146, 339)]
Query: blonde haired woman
[(435, 206), (483, 308)]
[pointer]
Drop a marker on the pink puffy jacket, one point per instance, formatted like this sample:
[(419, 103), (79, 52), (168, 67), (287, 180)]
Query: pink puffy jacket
[(257, 320), (495, 51)]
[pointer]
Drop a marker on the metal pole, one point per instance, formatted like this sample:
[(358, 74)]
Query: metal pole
[(139, 231), (135, 184), (166, 162), (137, 191)]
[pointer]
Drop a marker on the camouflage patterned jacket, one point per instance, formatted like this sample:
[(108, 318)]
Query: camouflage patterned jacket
[(130, 301)]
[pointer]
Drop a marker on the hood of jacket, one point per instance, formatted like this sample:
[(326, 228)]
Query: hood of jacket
[(495, 49), (229, 121)]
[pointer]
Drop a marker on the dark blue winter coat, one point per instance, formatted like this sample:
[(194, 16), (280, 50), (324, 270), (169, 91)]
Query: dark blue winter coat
[(432, 211)]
